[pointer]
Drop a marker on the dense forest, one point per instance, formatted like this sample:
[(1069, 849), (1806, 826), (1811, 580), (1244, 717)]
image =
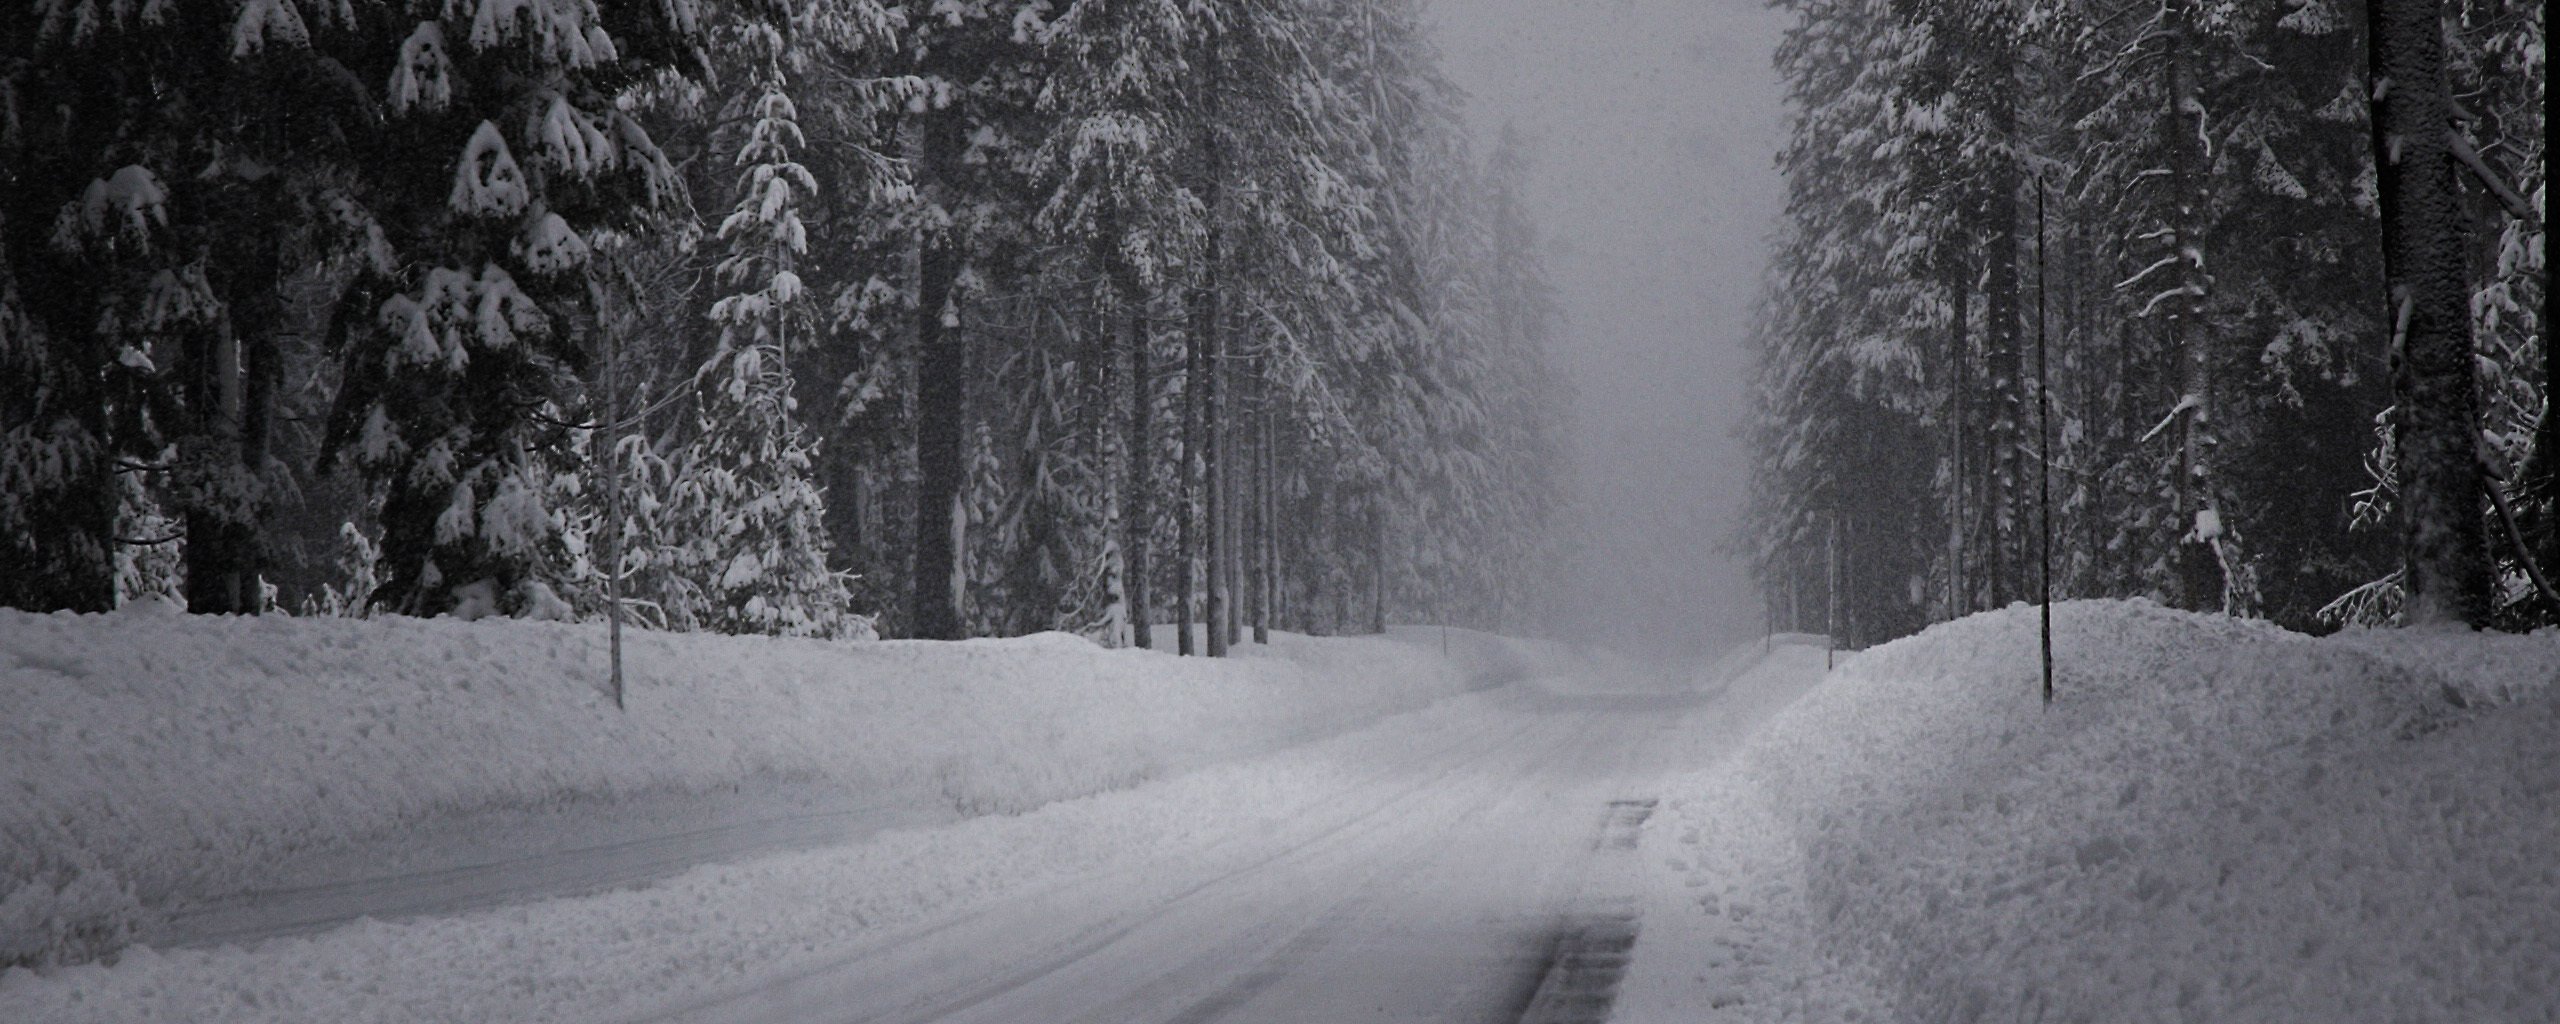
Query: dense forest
[(2247, 301), (928, 318)]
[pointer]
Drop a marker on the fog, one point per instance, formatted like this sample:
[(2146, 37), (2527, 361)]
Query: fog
[(1652, 124)]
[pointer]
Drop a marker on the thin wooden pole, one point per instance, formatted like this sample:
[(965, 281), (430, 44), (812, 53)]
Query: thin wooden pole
[(1831, 590), (2044, 451), (613, 505)]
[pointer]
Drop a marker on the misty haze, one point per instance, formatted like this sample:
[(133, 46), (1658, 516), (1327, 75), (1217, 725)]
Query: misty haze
[(1277, 512)]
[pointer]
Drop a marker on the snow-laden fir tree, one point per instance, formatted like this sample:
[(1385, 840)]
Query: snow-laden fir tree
[(748, 522), (502, 150)]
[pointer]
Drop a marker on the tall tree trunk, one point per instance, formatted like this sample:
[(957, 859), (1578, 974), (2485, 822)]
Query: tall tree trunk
[(1959, 436), (1266, 545), (1795, 591), (1103, 383), (232, 396), (1208, 320), (2445, 574), (1187, 492), (2197, 525), (942, 375), (1378, 562), (220, 467), (1231, 465), (2003, 362), (1140, 505), (2540, 480)]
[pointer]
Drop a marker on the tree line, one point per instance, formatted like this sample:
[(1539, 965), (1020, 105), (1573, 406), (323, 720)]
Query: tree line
[(2248, 301), (806, 317)]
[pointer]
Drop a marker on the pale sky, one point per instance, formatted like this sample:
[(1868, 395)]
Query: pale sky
[(1653, 124)]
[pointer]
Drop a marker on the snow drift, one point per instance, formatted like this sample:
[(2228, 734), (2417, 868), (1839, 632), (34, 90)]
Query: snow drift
[(2215, 821), (156, 759)]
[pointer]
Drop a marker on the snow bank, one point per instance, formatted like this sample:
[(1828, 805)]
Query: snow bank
[(153, 759), (2216, 821), (668, 950)]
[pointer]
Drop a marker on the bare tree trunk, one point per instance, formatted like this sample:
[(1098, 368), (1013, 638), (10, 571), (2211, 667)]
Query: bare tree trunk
[(942, 381), (2201, 582), (1140, 505), (2001, 338), (2445, 574), (1208, 318), (1795, 592), (1266, 544), (1104, 382), (1959, 438), (1378, 565), (232, 397), (1187, 491), (2539, 482), (1232, 467)]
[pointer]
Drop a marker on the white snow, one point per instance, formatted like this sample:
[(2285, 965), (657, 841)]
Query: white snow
[(487, 182), (155, 762), (2215, 821), (424, 76)]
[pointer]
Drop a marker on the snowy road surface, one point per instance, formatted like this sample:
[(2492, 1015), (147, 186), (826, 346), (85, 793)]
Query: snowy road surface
[(1434, 886), (1438, 865), (502, 857)]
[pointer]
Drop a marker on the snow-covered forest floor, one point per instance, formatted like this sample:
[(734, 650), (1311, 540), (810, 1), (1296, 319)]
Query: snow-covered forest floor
[(180, 778), (2215, 821)]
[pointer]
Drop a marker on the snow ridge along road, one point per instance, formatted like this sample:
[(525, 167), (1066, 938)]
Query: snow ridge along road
[(227, 770)]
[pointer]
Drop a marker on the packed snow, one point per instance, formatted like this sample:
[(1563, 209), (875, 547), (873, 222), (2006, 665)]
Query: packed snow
[(2216, 820), (160, 761)]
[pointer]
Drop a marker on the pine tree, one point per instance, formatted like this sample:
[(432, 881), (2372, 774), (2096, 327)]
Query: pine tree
[(460, 358), (746, 516)]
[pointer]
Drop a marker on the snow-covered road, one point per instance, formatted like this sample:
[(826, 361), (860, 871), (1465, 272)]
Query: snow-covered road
[(1432, 866), (508, 856), (1434, 885)]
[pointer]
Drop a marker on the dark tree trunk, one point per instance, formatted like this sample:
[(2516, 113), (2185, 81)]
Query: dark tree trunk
[(2540, 481), (1208, 320), (2200, 583), (231, 393), (1378, 561), (2004, 365), (2445, 575), (1959, 437), (1266, 550), (1187, 496), (1231, 470), (942, 374), (1138, 517), (221, 552)]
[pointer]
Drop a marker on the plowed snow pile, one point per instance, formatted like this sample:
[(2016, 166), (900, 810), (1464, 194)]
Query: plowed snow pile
[(2214, 821), (148, 759)]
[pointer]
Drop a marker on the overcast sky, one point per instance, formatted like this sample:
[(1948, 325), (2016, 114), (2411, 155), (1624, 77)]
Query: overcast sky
[(1652, 123)]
